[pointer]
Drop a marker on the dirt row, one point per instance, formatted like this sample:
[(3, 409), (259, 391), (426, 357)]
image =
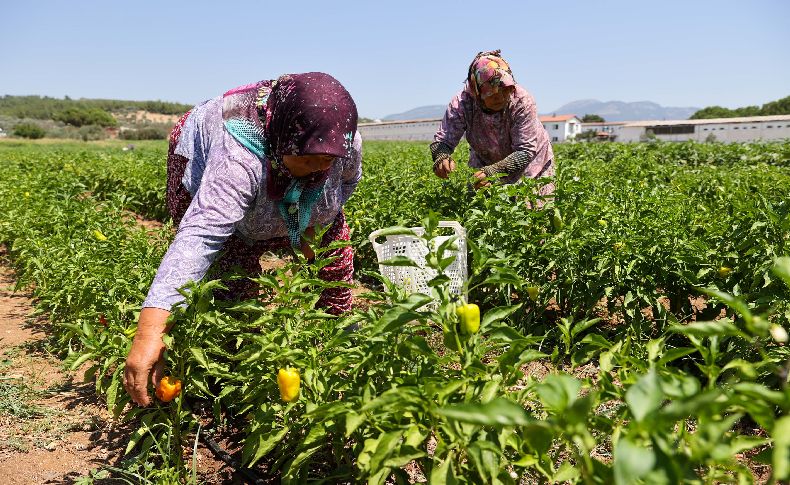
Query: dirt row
[(54, 428)]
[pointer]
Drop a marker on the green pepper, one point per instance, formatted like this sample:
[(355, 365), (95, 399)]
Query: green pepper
[(556, 220), (469, 315), (533, 292)]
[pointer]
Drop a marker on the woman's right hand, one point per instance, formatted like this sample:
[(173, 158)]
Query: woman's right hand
[(146, 357), (444, 168)]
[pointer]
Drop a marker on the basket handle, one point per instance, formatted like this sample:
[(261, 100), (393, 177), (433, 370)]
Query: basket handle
[(375, 234), (459, 231)]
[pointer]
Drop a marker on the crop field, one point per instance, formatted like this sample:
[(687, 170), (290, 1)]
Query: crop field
[(632, 328)]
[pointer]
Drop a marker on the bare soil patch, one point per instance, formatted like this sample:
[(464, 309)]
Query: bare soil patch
[(53, 429)]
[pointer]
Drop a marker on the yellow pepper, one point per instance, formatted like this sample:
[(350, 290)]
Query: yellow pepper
[(469, 315), (288, 381), (98, 235), (724, 271), (533, 292)]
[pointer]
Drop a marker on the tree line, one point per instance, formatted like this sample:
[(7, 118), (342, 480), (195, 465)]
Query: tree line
[(80, 112), (778, 107)]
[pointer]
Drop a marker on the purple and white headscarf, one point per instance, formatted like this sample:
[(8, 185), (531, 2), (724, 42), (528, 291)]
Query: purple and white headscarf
[(298, 114)]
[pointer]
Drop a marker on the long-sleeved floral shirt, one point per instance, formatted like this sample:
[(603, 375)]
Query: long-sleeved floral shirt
[(228, 187), (494, 136)]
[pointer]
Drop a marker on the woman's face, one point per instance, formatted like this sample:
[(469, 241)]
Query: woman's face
[(304, 165), (497, 99)]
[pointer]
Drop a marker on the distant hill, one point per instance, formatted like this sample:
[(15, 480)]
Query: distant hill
[(421, 113), (623, 111), (609, 110)]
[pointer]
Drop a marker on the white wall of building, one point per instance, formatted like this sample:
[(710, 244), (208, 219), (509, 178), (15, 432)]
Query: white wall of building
[(422, 130), (561, 130), (768, 128), (732, 130)]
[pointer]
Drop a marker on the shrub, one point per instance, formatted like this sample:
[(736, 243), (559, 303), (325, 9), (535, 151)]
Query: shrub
[(92, 132), (29, 130), (78, 116)]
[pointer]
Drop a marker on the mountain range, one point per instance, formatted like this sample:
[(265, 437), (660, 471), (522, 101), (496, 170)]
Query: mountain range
[(608, 110)]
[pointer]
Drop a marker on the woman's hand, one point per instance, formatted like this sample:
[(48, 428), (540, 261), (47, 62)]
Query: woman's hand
[(444, 168), (481, 180), (145, 360)]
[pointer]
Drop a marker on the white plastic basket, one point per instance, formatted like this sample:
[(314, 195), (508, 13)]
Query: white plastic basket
[(415, 280)]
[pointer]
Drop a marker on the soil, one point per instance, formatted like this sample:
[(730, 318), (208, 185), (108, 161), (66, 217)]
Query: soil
[(54, 428), (142, 116)]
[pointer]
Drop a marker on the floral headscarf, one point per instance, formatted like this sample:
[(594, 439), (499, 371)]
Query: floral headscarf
[(489, 71), (298, 114)]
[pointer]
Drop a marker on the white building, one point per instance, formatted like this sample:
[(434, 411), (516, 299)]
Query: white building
[(753, 128), (400, 130), (605, 130), (564, 127), (561, 127)]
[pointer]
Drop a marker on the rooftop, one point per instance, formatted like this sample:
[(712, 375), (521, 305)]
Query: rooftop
[(549, 119), (400, 122), (746, 119)]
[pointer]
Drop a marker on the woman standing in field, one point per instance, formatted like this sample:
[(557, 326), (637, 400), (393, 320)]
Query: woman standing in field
[(255, 169), (501, 124)]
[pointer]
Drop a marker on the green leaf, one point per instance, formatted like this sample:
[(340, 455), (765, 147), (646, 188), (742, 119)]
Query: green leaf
[(395, 319), (759, 391), (498, 412), (257, 445), (200, 356), (566, 473), (484, 457), (386, 447), (583, 325), (631, 462), (782, 269), (558, 391), (399, 261), (81, 360), (674, 354), (781, 453), (444, 473), (731, 301), (353, 421), (723, 327), (645, 396), (497, 314), (398, 231), (112, 391)]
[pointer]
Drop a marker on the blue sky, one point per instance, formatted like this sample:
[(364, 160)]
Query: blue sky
[(393, 56)]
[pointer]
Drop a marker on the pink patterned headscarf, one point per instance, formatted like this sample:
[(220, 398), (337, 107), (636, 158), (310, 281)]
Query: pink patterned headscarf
[(489, 72)]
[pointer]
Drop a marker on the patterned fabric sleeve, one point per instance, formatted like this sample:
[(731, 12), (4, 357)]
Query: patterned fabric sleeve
[(453, 124), (227, 191), (511, 164), (352, 170), (440, 151), (525, 135)]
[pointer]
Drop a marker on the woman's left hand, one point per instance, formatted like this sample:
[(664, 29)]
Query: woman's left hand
[(481, 180)]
